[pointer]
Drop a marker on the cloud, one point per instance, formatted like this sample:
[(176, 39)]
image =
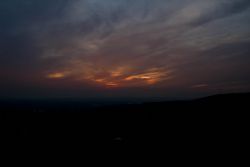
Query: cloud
[(119, 41), (133, 40)]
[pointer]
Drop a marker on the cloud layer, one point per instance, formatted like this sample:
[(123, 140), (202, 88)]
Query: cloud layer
[(161, 45)]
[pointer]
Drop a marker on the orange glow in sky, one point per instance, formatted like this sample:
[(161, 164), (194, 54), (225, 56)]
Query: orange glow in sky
[(120, 78), (57, 75), (114, 77)]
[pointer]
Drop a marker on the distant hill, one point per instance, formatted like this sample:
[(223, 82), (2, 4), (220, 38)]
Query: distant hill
[(206, 120), (65, 105)]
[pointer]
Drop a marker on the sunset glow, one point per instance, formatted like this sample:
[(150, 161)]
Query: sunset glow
[(56, 75), (129, 80), (119, 77)]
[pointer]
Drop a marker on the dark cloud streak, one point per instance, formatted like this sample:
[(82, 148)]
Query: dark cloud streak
[(225, 9)]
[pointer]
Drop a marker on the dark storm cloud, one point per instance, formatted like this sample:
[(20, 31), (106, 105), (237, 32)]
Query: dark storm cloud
[(179, 44)]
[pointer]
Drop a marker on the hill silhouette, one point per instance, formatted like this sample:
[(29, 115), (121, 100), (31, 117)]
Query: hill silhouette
[(211, 120)]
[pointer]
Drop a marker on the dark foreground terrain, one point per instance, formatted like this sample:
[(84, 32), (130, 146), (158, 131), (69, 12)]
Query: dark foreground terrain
[(217, 120)]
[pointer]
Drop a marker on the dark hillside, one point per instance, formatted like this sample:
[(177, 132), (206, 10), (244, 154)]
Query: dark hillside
[(211, 120)]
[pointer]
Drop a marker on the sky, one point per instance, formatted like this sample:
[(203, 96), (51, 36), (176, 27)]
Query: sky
[(124, 48)]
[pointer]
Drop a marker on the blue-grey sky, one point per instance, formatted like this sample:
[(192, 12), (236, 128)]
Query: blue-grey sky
[(124, 48)]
